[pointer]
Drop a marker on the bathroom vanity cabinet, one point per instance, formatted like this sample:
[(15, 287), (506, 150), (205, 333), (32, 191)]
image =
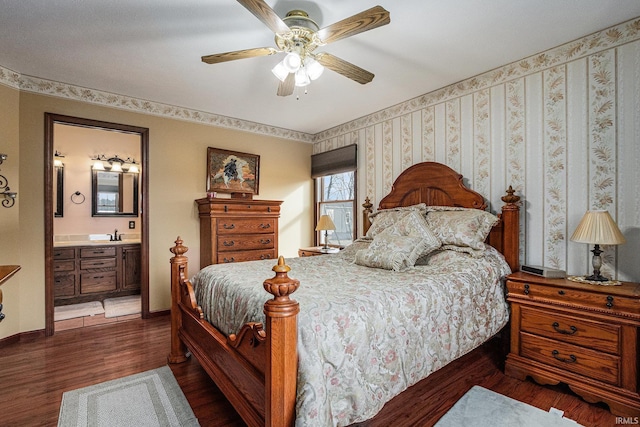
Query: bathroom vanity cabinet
[(93, 273)]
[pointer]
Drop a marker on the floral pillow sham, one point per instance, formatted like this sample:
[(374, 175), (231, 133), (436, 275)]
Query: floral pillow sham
[(461, 227)]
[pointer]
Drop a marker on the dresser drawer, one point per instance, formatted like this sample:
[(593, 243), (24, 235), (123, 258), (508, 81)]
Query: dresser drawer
[(583, 332), (86, 264), (234, 242), (59, 266), (64, 253), (102, 251), (64, 285), (227, 257), (246, 225), (252, 208), (579, 360), (563, 295), (97, 282)]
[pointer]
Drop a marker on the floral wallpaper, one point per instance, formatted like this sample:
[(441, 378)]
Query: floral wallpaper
[(562, 127)]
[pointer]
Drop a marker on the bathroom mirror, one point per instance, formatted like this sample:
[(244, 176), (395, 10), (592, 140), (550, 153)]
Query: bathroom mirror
[(114, 193), (58, 191)]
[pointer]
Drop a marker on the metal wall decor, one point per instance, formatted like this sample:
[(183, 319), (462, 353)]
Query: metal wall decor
[(9, 196)]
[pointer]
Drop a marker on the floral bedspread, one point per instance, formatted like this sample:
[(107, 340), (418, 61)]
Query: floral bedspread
[(366, 334)]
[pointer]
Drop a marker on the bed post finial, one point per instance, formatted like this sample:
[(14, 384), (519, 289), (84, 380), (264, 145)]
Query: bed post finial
[(178, 272), (366, 222), (281, 347)]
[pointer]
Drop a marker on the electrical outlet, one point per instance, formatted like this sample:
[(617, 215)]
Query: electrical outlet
[(132, 225)]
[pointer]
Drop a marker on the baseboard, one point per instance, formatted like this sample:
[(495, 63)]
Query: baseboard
[(22, 337), (158, 313)]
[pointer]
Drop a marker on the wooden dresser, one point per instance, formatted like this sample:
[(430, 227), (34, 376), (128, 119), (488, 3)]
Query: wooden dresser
[(235, 230), (583, 335)]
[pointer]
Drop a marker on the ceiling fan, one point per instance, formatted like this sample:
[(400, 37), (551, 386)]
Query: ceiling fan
[(299, 36)]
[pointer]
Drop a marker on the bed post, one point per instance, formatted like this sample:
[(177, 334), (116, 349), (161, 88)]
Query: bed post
[(281, 348), (178, 273), (511, 229), (366, 222)]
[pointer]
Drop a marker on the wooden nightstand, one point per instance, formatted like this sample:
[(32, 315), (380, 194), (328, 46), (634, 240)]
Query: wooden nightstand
[(315, 250), (583, 335)]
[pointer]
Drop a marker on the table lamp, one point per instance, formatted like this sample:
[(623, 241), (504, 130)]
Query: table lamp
[(597, 228), (325, 224)]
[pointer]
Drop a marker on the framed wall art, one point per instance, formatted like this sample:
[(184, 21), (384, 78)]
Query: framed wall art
[(232, 172)]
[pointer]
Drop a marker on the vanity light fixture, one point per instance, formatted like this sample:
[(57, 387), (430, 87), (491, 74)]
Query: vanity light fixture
[(5, 191), (115, 164), (57, 160)]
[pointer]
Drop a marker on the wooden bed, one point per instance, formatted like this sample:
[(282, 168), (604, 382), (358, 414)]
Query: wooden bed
[(256, 368)]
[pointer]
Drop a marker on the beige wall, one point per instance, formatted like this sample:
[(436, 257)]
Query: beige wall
[(9, 219), (79, 145), (177, 171)]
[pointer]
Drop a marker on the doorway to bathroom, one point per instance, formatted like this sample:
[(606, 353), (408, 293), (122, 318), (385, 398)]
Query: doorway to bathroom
[(96, 222)]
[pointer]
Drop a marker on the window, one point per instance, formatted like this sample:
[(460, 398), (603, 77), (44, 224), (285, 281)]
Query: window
[(335, 192), (336, 198)]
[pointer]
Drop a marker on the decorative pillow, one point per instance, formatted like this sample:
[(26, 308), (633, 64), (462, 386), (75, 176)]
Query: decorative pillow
[(391, 252), (461, 226), (384, 218), (400, 245)]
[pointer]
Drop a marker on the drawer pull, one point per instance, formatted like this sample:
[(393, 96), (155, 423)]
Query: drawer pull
[(231, 243), (265, 241), (265, 256), (560, 292), (571, 359), (232, 259), (228, 227), (573, 330), (526, 289), (265, 225), (609, 301), (98, 252)]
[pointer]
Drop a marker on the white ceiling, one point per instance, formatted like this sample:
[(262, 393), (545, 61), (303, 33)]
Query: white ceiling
[(151, 49)]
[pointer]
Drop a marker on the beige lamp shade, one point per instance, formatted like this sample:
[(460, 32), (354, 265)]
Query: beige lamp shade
[(325, 223), (597, 227)]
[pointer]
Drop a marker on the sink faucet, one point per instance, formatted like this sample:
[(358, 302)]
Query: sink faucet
[(115, 237)]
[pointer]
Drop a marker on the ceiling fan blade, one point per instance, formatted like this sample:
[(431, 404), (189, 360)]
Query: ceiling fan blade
[(238, 54), (372, 18), (285, 88), (263, 12), (345, 68)]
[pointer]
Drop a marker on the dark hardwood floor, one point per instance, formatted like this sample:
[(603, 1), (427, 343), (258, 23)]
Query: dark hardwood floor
[(35, 372)]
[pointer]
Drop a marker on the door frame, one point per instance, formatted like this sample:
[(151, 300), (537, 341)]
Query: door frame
[(49, 121)]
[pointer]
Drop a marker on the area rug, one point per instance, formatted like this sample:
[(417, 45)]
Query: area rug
[(71, 311), (148, 399), (121, 306), (480, 407)]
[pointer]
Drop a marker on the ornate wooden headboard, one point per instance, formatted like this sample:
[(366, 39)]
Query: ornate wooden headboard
[(436, 184)]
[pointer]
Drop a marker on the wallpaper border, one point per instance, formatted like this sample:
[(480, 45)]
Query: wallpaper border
[(93, 96), (618, 35)]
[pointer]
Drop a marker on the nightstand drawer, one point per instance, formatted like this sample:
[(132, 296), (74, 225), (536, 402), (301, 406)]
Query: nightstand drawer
[(574, 293), (581, 332), (592, 364)]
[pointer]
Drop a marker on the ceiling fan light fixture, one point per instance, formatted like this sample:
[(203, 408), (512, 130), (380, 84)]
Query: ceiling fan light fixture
[(292, 62), (280, 71), (302, 79), (314, 68)]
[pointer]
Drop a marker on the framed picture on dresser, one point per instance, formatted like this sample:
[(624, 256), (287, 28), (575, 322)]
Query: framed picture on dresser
[(232, 171)]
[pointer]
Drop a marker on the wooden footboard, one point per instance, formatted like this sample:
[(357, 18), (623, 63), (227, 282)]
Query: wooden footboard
[(256, 369)]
